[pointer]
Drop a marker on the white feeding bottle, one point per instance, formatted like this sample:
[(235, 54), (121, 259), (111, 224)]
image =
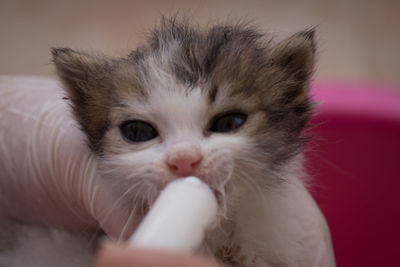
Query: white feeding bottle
[(179, 218)]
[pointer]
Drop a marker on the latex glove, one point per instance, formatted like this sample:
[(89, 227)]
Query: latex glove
[(48, 175)]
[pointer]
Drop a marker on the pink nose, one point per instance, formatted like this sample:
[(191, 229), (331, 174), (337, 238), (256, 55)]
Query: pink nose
[(183, 159)]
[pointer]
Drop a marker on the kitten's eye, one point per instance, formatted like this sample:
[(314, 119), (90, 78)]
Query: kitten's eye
[(138, 131), (228, 122)]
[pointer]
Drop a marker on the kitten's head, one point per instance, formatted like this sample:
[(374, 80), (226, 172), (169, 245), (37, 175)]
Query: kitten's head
[(222, 104)]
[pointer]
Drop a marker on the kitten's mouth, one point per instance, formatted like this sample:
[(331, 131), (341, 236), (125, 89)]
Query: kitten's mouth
[(217, 189)]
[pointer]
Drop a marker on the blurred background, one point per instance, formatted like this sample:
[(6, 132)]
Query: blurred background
[(358, 40)]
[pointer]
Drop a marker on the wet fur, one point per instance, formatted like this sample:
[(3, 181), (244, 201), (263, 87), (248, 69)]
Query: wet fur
[(179, 80)]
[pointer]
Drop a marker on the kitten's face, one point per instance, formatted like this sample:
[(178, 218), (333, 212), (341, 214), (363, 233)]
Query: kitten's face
[(220, 104), (177, 131)]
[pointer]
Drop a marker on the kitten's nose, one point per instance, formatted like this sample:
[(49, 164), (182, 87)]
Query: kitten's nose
[(183, 159)]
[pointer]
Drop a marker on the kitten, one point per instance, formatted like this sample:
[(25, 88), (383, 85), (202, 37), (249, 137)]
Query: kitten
[(222, 104)]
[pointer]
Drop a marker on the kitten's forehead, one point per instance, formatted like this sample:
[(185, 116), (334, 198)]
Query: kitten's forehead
[(179, 111), (227, 57), (175, 108), (170, 98)]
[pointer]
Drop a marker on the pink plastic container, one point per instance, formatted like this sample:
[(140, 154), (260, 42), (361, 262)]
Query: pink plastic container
[(355, 162)]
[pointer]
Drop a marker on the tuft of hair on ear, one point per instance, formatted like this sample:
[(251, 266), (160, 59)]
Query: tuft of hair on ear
[(293, 60), (86, 80), (288, 106)]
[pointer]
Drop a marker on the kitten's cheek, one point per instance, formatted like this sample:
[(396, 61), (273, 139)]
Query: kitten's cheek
[(220, 171)]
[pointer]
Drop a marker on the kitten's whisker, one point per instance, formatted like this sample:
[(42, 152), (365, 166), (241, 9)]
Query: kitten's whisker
[(249, 159), (130, 189), (150, 193), (250, 183), (128, 221)]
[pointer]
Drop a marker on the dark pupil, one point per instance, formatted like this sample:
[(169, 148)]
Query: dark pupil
[(228, 122), (138, 131)]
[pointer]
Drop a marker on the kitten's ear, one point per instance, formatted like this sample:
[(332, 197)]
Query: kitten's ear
[(79, 71), (86, 79), (293, 59)]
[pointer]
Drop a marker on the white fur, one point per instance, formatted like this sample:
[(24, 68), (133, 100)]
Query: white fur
[(283, 228)]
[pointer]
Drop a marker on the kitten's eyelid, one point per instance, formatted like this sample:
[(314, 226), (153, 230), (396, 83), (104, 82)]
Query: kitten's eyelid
[(229, 111), (134, 120), (133, 116), (226, 112), (129, 115)]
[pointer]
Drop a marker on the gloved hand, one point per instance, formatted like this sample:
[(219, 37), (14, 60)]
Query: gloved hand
[(115, 256), (48, 175)]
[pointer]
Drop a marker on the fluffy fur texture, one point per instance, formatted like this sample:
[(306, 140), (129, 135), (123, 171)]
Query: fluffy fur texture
[(22, 245), (180, 82)]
